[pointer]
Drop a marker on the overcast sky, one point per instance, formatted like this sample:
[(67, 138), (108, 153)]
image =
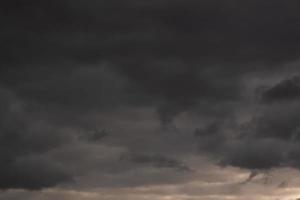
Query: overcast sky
[(150, 100)]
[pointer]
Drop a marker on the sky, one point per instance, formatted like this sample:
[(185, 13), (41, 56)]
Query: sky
[(150, 100)]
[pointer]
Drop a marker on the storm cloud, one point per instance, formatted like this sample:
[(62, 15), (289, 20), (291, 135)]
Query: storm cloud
[(118, 94)]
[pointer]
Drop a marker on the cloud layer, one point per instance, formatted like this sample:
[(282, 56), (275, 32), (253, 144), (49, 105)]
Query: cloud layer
[(118, 94)]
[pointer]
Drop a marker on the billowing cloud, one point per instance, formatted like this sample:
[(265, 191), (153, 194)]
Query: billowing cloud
[(286, 90), (158, 161), (23, 139), (117, 94)]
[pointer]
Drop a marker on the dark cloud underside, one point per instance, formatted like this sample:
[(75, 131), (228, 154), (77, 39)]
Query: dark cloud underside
[(83, 83)]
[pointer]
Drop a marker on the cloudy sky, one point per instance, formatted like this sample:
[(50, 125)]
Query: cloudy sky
[(150, 100)]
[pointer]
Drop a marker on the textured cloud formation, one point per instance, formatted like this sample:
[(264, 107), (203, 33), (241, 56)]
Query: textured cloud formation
[(286, 90), (137, 93), (22, 141), (159, 161)]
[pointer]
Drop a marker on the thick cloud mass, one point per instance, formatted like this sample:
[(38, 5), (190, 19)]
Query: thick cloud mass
[(127, 93), (22, 140), (159, 161), (285, 90)]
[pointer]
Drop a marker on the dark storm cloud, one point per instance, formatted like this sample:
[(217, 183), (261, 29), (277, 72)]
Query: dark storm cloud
[(75, 89), (286, 90), (210, 130), (94, 135), (179, 86), (32, 173), (19, 131), (210, 137), (269, 140), (22, 138), (255, 154), (214, 31), (278, 121), (156, 160), (248, 153), (167, 48), (78, 64)]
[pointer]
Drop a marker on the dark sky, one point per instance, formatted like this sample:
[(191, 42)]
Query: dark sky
[(149, 99)]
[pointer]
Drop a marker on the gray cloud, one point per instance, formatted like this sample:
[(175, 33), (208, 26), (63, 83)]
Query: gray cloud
[(94, 135), (286, 90), (168, 78), (23, 137), (156, 160)]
